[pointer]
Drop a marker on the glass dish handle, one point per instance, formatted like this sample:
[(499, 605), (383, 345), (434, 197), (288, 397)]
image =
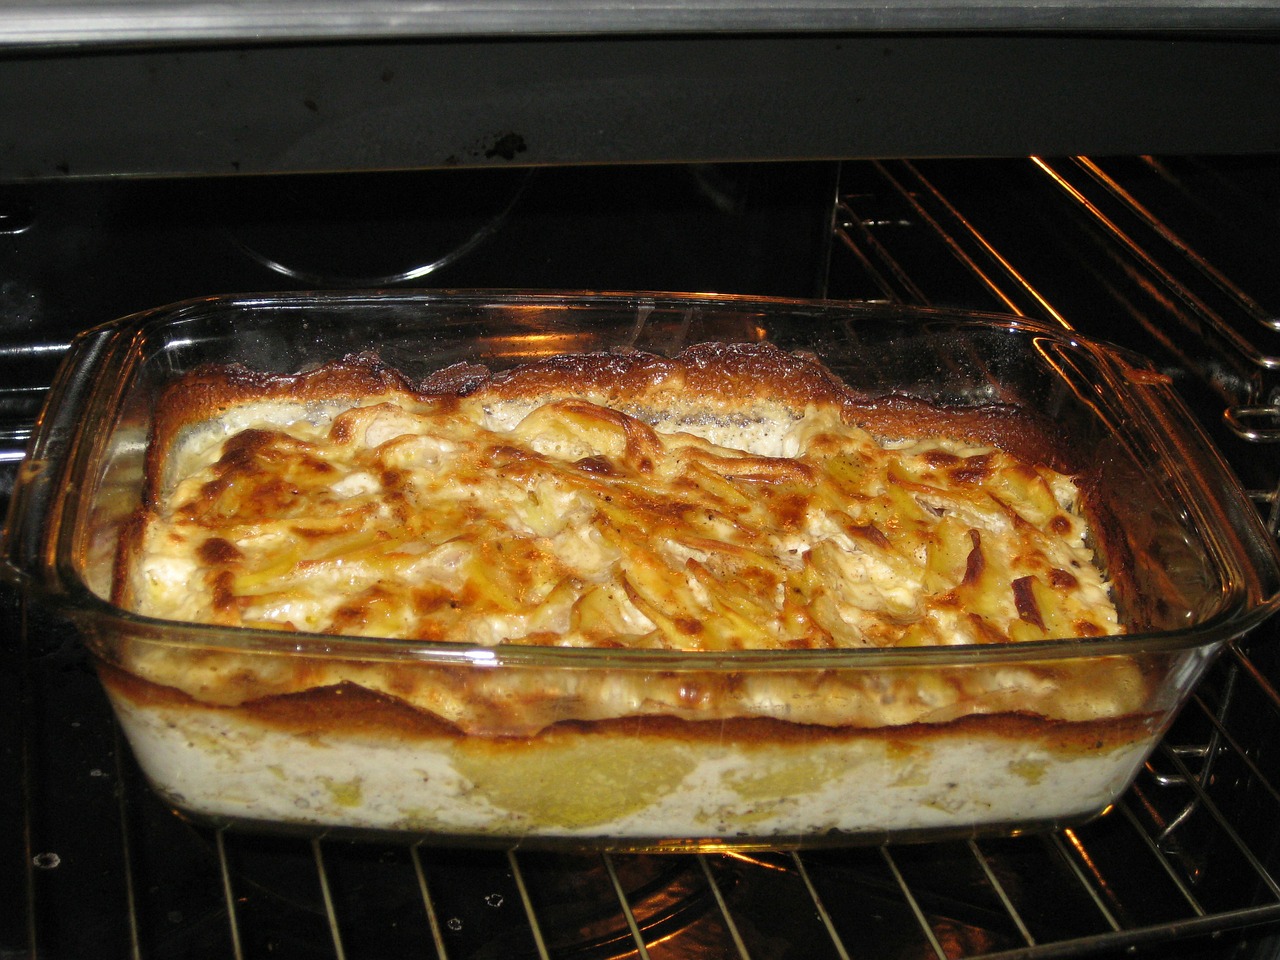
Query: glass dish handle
[(1255, 542), (46, 473)]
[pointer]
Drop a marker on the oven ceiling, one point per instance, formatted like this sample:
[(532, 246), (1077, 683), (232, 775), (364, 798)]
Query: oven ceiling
[(94, 89), (95, 21)]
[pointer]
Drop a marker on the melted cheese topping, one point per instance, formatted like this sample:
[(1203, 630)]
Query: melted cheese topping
[(574, 524)]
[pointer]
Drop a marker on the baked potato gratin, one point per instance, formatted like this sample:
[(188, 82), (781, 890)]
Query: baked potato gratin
[(735, 497), (677, 519)]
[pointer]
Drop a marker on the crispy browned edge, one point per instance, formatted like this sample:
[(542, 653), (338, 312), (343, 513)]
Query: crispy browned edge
[(759, 373), (359, 712)]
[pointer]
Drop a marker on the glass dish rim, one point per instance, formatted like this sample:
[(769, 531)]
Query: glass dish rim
[(1235, 614), (192, 309), (83, 604)]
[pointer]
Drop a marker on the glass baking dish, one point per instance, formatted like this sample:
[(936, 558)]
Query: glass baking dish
[(1042, 734)]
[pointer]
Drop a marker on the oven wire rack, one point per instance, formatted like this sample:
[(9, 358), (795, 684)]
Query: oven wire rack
[(1186, 865)]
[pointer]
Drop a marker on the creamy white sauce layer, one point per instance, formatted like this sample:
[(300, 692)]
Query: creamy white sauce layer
[(216, 764)]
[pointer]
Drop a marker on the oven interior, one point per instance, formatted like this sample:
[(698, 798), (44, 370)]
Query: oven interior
[(1173, 256)]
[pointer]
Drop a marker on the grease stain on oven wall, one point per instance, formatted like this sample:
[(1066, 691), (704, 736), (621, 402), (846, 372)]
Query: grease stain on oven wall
[(506, 146), (503, 146)]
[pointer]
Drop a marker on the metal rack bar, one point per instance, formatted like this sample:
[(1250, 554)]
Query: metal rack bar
[(1206, 751), (15, 431), (1247, 304), (1230, 743), (925, 927), (962, 238), (127, 857), (534, 927), (1078, 863), (739, 946), (820, 907), (1150, 306), (1173, 295), (326, 894), (228, 893), (642, 950), (1223, 822), (1131, 940), (901, 288), (968, 245), (1263, 683), (1170, 871), (1199, 312), (428, 903), (998, 887)]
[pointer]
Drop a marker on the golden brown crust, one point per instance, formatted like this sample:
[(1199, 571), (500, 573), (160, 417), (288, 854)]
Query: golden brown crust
[(128, 545), (359, 712), (765, 379), (802, 603), (209, 391)]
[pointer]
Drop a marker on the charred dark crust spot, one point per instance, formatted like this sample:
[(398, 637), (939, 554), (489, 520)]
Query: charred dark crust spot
[(976, 562), (217, 551), (971, 471), (1024, 599), (940, 458), (1060, 524), (1063, 579), (597, 465), (688, 626), (222, 596), (870, 533)]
